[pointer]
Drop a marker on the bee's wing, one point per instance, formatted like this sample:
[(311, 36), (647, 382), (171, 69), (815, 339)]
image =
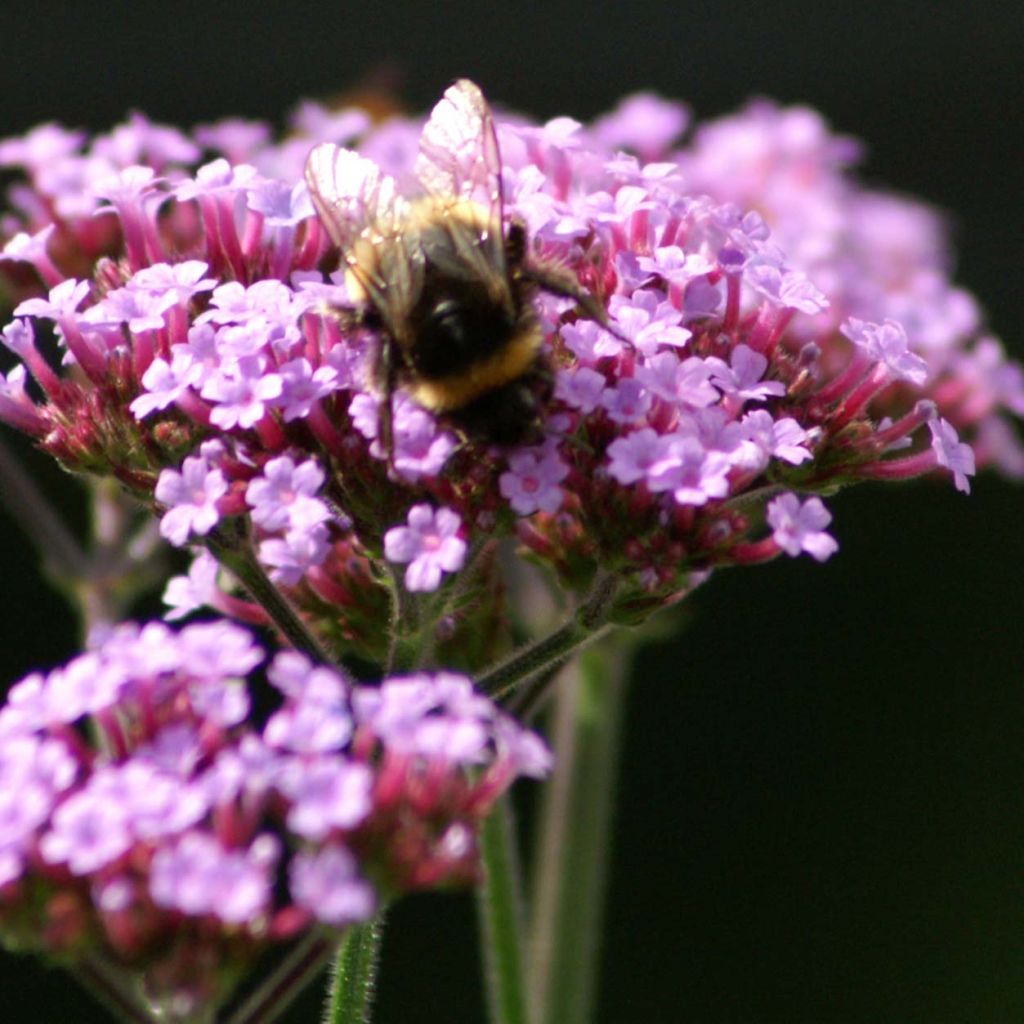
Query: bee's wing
[(459, 159), (359, 204)]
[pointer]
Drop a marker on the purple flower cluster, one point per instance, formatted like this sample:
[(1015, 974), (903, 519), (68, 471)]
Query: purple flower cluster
[(138, 790), (750, 357), (877, 255)]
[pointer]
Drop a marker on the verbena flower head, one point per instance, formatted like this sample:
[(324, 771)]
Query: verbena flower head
[(150, 822), (747, 355)]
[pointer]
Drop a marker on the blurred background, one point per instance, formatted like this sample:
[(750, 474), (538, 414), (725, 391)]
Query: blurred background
[(820, 815)]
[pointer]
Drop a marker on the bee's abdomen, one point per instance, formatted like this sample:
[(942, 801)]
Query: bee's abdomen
[(511, 413)]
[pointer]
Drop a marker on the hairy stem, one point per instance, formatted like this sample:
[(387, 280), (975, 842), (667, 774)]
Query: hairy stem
[(569, 891), (354, 977), (405, 629), (587, 624), (229, 545), (288, 979), (500, 906), (33, 512), (109, 989)]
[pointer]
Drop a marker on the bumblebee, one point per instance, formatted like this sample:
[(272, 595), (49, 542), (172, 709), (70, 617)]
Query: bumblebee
[(449, 286)]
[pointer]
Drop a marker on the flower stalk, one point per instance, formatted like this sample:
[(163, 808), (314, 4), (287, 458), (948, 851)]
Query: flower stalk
[(588, 623), (571, 859), (229, 545), (354, 975), (287, 980), (501, 913)]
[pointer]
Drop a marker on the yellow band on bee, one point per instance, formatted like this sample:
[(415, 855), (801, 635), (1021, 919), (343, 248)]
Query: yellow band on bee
[(449, 394)]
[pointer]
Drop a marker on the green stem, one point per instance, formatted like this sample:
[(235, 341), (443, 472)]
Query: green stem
[(109, 989), (587, 625), (35, 514), (354, 977), (229, 545), (406, 634), (568, 895), (499, 902), (287, 980)]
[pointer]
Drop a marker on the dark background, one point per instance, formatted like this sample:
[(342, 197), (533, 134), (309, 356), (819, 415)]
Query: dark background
[(820, 816)]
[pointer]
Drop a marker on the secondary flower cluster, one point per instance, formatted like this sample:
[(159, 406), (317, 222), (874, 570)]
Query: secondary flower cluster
[(147, 821)]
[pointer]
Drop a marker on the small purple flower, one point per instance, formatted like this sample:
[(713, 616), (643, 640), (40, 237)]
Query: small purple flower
[(281, 204), (245, 771), (166, 382), (33, 774), (421, 447), (140, 140), (629, 400), (84, 686), (788, 288), (234, 303), (631, 457), (198, 876), (302, 386), (781, 439), (309, 727), (693, 474), (887, 344), (439, 717), (526, 751), (191, 498), (62, 301), (643, 122), (181, 281), (316, 717), (327, 883), (22, 247), (326, 793), (675, 265), (292, 556), (532, 481), (685, 382), (798, 527), (648, 321), (295, 676), (186, 594), (235, 137), (45, 144), (742, 378), (580, 388), (127, 186), (430, 544), (20, 337), (284, 496), (89, 831), (241, 392), (952, 453), (217, 178), (154, 802), (213, 650), (589, 341)]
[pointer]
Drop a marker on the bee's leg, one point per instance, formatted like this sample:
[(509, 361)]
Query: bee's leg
[(348, 318), (515, 243), (559, 280)]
